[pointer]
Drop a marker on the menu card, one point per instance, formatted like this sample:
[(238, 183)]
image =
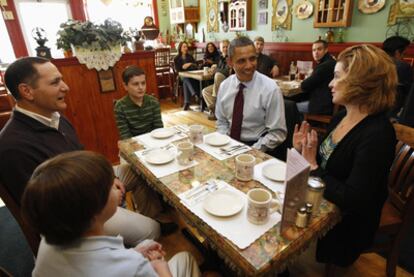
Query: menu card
[(297, 173)]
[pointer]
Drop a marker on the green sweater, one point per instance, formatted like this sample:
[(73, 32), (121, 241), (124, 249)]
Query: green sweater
[(133, 120)]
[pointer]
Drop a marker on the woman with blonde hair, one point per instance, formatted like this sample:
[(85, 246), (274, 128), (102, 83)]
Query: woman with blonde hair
[(355, 157)]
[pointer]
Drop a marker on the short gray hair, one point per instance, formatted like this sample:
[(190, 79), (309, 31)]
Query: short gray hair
[(238, 42)]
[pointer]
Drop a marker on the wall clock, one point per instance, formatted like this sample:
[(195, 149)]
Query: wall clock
[(212, 16)]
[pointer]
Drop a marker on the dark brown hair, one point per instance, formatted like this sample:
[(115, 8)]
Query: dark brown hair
[(22, 71), (65, 193), (321, 41), (131, 71)]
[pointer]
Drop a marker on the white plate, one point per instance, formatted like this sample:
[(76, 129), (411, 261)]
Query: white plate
[(159, 156), (275, 172), (223, 203), (162, 133), (217, 140)]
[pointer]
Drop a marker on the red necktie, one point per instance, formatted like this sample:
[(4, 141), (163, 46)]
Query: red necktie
[(237, 119)]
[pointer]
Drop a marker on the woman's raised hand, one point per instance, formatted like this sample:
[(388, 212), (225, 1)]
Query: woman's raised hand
[(298, 135)]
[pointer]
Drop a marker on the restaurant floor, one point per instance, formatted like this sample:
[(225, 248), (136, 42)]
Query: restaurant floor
[(367, 265)]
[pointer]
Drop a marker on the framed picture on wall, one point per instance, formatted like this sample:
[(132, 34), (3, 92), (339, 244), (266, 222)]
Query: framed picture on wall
[(106, 80), (262, 18)]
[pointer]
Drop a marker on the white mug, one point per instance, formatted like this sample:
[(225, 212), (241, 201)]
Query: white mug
[(245, 167), (260, 205), (205, 70), (185, 153), (196, 134)]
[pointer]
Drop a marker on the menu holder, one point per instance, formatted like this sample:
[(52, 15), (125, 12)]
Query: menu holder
[(297, 174), (304, 66)]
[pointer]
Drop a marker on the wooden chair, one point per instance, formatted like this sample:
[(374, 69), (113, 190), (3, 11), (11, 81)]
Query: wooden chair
[(6, 107), (32, 237), (398, 211), (320, 122), (163, 69)]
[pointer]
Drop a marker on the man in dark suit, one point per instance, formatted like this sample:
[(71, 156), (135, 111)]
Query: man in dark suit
[(395, 47), (317, 84)]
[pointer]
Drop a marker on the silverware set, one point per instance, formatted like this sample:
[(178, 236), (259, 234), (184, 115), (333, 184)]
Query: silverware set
[(166, 147), (232, 149), (180, 129), (198, 193)]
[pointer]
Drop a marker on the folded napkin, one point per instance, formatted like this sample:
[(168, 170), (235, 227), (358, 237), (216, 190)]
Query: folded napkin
[(235, 228), (277, 187), (217, 152), (150, 142), (164, 169)]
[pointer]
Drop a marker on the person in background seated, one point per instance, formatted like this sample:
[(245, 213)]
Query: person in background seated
[(265, 64), (317, 84), (395, 47), (211, 55), (250, 105), (38, 131), (68, 200), (222, 72), (355, 157), (184, 62), (136, 113)]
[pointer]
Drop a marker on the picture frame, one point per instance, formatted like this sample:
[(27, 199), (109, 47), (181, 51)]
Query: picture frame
[(106, 80), (177, 11), (400, 9), (282, 17), (262, 18), (262, 4)]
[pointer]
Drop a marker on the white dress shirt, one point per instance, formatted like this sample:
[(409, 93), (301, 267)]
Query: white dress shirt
[(52, 122), (263, 111)]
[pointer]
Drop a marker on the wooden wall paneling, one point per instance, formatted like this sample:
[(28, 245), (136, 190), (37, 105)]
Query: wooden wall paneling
[(89, 110)]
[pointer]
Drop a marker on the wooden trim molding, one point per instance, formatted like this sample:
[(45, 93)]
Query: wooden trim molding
[(15, 32), (78, 9)]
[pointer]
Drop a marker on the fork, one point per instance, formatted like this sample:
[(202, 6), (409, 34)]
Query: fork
[(166, 147), (228, 149), (234, 150)]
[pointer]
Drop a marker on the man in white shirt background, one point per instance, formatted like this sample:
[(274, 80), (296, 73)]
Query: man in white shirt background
[(250, 105)]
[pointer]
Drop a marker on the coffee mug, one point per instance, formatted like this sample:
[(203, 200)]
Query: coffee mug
[(245, 167), (196, 134), (260, 205), (205, 70), (185, 153)]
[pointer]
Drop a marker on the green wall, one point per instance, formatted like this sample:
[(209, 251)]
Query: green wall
[(364, 27)]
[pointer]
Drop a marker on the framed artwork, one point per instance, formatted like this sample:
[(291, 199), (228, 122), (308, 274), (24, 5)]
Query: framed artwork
[(282, 17), (263, 4), (240, 15), (212, 16), (370, 6), (400, 9), (262, 18), (304, 9), (176, 11), (106, 80)]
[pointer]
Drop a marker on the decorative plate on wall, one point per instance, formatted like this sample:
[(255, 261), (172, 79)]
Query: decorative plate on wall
[(370, 6), (282, 17), (304, 9)]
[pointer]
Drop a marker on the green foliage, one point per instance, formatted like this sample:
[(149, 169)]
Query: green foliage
[(87, 34)]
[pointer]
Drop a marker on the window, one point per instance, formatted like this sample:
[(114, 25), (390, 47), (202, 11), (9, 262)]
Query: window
[(6, 49), (48, 15), (130, 13)]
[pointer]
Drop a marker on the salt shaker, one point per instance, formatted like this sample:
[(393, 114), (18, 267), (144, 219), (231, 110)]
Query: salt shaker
[(301, 218), (314, 193)]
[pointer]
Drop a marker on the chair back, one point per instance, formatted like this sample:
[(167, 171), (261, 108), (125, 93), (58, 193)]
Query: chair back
[(162, 58), (401, 179), (32, 237)]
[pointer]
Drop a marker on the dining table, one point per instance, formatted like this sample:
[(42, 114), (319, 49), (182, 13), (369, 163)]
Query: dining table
[(273, 250), (199, 75), (289, 88)]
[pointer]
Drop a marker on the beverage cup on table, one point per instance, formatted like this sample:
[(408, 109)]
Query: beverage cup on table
[(185, 151), (245, 167), (205, 70), (196, 133), (260, 205)]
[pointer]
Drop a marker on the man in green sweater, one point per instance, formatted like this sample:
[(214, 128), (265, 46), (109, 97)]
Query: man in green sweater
[(136, 113)]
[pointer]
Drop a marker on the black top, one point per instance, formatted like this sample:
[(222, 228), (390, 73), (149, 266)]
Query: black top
[(213, 57), (265, 64), (407, 115), (317, 86), (405, 79), (179, 61), (223, 67), (25, 143), (356, 176)]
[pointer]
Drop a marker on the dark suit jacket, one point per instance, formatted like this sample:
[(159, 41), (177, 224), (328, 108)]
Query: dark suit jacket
[(356, 176), (316, 85), (179, 61)]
